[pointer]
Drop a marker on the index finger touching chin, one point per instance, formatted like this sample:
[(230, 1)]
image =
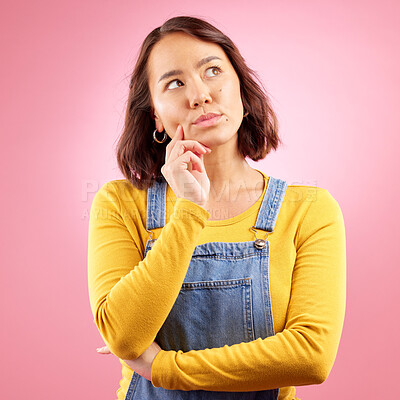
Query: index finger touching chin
[(179, 133)]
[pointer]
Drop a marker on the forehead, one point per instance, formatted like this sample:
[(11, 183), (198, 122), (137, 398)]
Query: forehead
[(177, 50)]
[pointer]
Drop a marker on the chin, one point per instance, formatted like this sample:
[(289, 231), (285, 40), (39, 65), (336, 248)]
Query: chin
[(220, 140)]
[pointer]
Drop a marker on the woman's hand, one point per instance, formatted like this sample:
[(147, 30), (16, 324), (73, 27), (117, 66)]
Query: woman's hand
[(141, 365), (191, 184)]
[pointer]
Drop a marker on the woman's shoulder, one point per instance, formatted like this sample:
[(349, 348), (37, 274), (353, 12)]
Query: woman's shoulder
[(304, 196), (120, 195), (307, 196), (313, 208)]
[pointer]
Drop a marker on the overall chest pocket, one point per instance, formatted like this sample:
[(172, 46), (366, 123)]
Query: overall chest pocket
[(209, 314)]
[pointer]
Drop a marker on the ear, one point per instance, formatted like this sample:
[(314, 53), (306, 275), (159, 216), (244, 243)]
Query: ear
[(157, 121)]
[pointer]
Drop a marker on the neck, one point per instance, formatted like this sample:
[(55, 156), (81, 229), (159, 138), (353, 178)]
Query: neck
[(228, 172)]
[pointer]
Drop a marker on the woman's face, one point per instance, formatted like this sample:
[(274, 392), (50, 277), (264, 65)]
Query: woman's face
[(188, 79)]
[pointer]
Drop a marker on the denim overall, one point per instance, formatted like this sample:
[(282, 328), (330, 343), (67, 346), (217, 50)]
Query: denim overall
[(224, 299)]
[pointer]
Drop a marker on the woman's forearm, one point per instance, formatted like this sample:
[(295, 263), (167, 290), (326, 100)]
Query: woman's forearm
[(130, 304), (304, 352)]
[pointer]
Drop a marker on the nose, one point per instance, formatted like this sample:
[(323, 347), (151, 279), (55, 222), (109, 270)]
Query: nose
[(199, 94)]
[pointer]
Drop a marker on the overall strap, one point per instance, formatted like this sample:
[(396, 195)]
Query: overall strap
[(271, 204), (267, 216), (156, 204)]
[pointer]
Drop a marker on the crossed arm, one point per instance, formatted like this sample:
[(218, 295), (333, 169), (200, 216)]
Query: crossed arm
[(124, 301)]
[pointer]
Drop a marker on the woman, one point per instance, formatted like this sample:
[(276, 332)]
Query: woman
[(208, 278)]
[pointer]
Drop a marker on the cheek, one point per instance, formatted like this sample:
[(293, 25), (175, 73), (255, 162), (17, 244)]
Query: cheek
[(231, 99), (170, 116), (161, 108), (229, 91), (166, 111)]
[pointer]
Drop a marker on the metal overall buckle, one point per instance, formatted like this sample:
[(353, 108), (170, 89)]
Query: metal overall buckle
[(151, 241), (259, 243)]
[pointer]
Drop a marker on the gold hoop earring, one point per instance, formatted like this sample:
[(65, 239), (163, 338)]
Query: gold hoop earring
[(245, 115), (155, 137)]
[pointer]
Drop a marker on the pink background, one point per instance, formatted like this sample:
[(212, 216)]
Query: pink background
[(332, 69)]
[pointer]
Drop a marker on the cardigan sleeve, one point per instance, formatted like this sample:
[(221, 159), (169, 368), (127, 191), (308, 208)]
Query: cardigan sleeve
[(304, 352), (131, 297)]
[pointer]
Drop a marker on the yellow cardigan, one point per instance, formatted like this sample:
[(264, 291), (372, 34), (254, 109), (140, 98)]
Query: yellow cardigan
[(130, 297)]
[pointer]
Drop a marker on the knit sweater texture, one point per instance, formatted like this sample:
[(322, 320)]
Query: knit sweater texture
[(131, 297)]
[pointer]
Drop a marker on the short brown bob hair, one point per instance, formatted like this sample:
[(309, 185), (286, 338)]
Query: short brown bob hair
[(139, 157)]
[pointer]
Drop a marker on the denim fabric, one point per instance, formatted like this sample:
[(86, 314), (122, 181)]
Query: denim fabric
[(225, 297)]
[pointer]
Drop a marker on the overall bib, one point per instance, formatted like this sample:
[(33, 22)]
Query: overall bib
[(224, 299)]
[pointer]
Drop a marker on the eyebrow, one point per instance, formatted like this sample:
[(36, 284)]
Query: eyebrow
[(178, 71)]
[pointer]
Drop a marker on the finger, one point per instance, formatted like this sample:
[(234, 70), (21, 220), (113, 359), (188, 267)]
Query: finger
[(191, 157), (182, 132), (103, 350), (179, 135), (186, 145)]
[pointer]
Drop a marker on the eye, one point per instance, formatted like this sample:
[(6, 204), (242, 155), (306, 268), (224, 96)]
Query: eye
[(174, 84), (213, 71)]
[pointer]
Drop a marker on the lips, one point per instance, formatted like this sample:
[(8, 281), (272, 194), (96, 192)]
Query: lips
[(206, 117)]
